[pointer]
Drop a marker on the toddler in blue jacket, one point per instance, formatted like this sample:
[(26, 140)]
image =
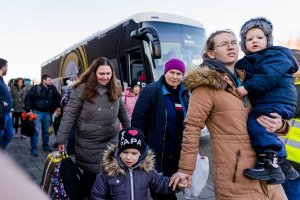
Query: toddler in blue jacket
[(269, 84), (128, 170)]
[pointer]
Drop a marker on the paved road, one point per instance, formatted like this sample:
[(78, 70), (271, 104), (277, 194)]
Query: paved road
[(19, 149)]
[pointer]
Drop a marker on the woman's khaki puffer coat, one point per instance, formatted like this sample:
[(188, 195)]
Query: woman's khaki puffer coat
[(215, 103)]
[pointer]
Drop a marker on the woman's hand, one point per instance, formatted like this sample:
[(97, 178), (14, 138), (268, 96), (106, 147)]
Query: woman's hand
[(180, 177), (271, 124)]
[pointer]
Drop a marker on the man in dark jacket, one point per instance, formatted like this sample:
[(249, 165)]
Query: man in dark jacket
[(6, 128), (159, 112), (42, 100)]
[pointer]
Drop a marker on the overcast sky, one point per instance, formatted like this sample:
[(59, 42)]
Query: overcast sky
[(33, 31)]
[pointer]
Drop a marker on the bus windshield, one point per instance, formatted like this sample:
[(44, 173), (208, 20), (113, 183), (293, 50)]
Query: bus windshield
[(178, 41)]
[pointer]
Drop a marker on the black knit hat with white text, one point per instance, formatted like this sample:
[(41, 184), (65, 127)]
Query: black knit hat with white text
[(131, 138)]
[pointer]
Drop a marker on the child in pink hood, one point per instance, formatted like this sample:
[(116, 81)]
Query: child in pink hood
[(131, 95)]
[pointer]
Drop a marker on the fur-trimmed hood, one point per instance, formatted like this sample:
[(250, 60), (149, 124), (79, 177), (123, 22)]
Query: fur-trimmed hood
[(204, 76), (215, 75), (111, 166)]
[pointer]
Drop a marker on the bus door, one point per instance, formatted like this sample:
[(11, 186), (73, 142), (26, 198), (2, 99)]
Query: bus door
[(136, 67)]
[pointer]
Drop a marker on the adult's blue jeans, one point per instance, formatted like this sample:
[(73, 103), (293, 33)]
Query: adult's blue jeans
[(7, 134), (42, 122), (292, 189)]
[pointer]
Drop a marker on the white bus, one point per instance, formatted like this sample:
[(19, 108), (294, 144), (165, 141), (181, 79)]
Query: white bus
[(138, 47)]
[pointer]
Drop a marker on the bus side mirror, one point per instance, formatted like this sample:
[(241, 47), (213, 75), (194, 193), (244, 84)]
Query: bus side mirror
[(152, 37)]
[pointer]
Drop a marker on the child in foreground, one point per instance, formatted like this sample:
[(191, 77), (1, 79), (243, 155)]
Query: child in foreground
[(128, 170), (269, 83)]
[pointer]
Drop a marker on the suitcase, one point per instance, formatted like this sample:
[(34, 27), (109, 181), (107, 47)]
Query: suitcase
[(52, 160)]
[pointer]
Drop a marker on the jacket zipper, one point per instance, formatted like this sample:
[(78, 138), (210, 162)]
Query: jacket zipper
[(131, 184), (162, 154)]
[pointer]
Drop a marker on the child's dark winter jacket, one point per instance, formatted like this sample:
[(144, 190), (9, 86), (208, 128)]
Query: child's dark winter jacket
[(269, 76), (117, 182)]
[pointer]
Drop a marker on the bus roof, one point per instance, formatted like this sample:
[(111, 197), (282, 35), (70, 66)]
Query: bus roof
[(139, 17), (164, 17)]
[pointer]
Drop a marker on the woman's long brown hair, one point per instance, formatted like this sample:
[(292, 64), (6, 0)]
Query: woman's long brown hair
[(89, 77)]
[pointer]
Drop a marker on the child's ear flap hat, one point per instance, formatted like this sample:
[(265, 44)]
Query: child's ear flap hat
[(260, 22)]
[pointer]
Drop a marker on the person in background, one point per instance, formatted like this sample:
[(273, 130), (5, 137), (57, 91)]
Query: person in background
[(292, 143), (6, 131), (214, 102), (16, 92), (159, 112), (42, 100), (67, 90), (130, 164), (131, 95), (2, 114), (96, 109), (269, 84), (142, 76)]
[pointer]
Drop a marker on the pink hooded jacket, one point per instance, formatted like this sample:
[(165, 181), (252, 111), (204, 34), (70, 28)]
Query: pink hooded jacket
[(129, 100)]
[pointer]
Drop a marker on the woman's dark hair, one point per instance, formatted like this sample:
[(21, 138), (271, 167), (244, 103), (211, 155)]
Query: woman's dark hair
[(210, 44), (16, 82), (90, 78)]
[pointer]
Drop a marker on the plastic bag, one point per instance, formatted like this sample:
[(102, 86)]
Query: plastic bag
[(199, 178)]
